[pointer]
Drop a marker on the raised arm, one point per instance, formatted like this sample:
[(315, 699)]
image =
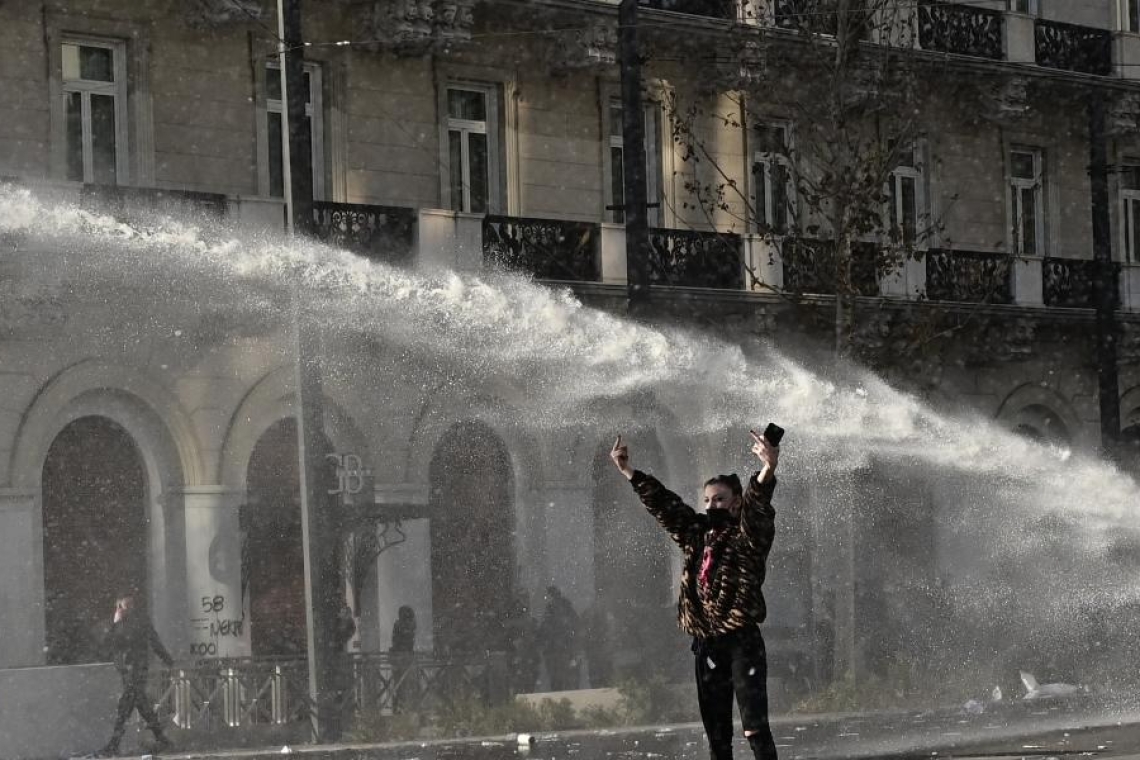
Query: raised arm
[(669, 509), (757, 517)]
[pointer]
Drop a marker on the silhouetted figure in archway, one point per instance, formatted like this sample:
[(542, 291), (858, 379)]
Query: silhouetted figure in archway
[(129, 641), (559, 636), (402, 653)]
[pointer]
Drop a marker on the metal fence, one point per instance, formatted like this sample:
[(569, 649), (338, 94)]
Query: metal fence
[(250, 692)]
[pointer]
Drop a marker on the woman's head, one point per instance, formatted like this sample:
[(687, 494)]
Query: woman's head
[(723, 492)]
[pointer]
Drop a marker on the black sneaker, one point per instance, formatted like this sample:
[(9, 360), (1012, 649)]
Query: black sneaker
[(161, 743)]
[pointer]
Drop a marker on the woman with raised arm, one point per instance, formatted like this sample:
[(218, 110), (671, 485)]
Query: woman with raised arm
[(721, 604)]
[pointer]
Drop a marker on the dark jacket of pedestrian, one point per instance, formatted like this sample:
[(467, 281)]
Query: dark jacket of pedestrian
[(731, 598), (129, 641)]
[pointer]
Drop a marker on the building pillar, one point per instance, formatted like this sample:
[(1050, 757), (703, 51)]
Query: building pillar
[(22, 584), (217, 622)]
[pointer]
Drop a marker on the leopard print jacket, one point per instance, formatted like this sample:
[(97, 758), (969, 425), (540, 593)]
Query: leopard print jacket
[(733, 598)]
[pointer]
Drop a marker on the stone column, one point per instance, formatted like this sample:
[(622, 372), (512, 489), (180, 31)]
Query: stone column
[(217, 624), (21, 579)]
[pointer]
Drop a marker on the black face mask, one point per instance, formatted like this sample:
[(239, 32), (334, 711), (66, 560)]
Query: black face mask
[(719, 518)]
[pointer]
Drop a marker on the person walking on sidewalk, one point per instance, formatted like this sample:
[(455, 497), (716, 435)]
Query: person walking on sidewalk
[(129, 641), (721, 604)]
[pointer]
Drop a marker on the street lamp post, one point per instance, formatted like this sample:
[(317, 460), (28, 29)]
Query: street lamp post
[(633, 171)]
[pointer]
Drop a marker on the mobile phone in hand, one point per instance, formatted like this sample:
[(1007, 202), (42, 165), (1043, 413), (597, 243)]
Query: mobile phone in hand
[(773, 433)]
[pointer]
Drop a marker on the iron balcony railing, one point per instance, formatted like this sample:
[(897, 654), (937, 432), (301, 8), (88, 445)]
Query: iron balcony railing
[(379, 233), (143, 205), (963, 29), (1071, 283), (696, 259), (1072, 47), (718, 9), (810, 267), (969, 276), (548, 249)]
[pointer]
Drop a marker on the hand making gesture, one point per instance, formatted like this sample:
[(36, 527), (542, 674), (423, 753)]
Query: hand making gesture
[(620, 454)]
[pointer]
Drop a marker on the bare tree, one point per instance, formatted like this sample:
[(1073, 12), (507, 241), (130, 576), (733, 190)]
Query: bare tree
[(828, 96)]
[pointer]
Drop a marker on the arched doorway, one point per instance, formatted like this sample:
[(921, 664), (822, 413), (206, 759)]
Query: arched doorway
[(273, 561), (1042, 424), (95, 534), (472, 539), (633, 580)]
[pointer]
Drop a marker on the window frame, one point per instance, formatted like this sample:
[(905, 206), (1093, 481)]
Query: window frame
[(491, 126), (767, 159), (1129, 209), (915, 171), (1129, 15), (1016, 187), (116, 89), (1032, 7), (654, 162), (315, 112)]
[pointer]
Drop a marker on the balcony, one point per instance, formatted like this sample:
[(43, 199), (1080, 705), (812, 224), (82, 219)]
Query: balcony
[(718, 9), (141, 206), (544, 248), (960, 29), (809, 267), (1069, 283), (969, 276), (1072, 48), (379, 233), (696, 259)]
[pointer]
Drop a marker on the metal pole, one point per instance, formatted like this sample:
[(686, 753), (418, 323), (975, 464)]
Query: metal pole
[(1105, 282), (286, 167), (637, 250), (319, 534)]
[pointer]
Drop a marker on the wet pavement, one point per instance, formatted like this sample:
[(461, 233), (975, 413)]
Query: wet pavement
[(1012, 730)]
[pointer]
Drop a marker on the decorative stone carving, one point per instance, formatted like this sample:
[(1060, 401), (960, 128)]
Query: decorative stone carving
[(593, 47), (1005, 340), (415, 27), (1123, 114), (1005, 99), (202, 14)]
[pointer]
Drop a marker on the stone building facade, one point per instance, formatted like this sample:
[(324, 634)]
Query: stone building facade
[(448, 133)]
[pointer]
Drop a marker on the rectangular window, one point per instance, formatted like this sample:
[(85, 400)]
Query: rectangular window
[(470, 148), (1027, 201), (616, 158), (1130, 15), (1028, 7), (312, 130), (905, 194), (1130, 211), (773, 186), (94, 108)]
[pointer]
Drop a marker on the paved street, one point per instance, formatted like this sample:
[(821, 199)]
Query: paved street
[(1029, 730)]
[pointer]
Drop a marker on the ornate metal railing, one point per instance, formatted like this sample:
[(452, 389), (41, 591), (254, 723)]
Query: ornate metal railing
[(268, 692), (812, 16), (1070, 283), (947, 27), (810, 267), (722, 9), (380, 233), (968, 276), (1073, 48), (546, 248), (141, 205), (696, 259)]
